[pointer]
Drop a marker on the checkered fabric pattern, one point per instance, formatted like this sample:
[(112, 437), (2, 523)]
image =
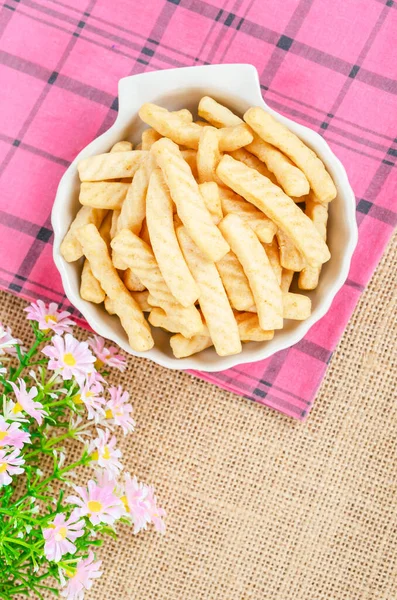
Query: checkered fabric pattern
[(329, 65)]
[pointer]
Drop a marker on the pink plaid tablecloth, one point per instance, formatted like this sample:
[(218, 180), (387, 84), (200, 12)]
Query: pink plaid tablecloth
[(329, 65)]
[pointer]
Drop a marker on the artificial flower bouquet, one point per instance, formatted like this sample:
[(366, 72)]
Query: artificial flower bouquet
[(54, 397)]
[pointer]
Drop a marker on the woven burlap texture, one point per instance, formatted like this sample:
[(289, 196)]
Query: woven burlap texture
[(262, 507)]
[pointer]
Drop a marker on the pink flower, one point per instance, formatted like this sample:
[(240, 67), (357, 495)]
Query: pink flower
[(26, 403), (141, 505), (10, 464), (98, 503), (118, 410), (81, 579), (60, 535), (104, 453), (7, 341), (49, 317), (90, 394), (70, 357), (106, 356), (12, 435), (156, 512)]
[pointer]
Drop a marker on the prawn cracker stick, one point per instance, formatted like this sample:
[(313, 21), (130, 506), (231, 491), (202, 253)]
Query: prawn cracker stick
[(288, 176), (296, 306), (256, 219), (273, 254), (159, 318), (113, 227), (140, 258), (149, 136), (262, 279), (125, 307), (131, 281), (183, 347), (190, 205), (235, 282), (103, 194), (281, 137), (286, 280), (250, 330), (123, 146), (213, 300), (269, 198), (133, 209), (233, 138), (318, 213), (171, 125), (208, 155), (139, 297), (254, 163), (290, 257), (90, 288), (71, 248), (112, 165), (159, 218), (190, 157), (217, 114), (210, 194)]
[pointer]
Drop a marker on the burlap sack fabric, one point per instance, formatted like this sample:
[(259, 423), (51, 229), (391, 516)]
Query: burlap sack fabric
[(262, 507)]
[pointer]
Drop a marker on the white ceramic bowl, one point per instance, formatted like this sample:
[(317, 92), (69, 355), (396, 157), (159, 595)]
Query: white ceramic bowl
[(238, 87)]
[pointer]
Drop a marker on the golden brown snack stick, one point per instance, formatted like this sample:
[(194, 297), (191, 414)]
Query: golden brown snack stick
[(264, 228), (281, 137), (285, 173), (71, 248), (159, 218), (286, 280), (90, 288), (254, 163), (269, 198), (273, 254), (210, 194), (113, 227), (123, 146), (235, 282), (290, 257), (149, 136), (202, 123), (213, 300), (208, 155), (262, 279), (139, 256), (109, 306), (183, 347), (288, 176), (103, 194), (132, 282), (249, 328), (296, 306), (159, 318), (233, 138), (318, 213), (126, 308), (139, 297), (185, 193), (134, 207), (190, 157), (112, 165), (145, 235)]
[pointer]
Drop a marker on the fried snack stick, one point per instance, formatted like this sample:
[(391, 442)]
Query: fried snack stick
[(295, 306), (172, 126), (290, 257), (190, 206), (212, 297), (256, 219), (123, 146), (141, 298), (281, 137), (139, 256), (210, 194), (111, 165), (103, 194), (190, 157), (235, 282), (183, 347), (208, 155), (149, 136), (262, 280), (131, 316), (131, 281), (291, 179), (269, 198), (90, 288), (71, 248), (159, 218), (273, 254), (318, 213), (133, 210), (286, 280)]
